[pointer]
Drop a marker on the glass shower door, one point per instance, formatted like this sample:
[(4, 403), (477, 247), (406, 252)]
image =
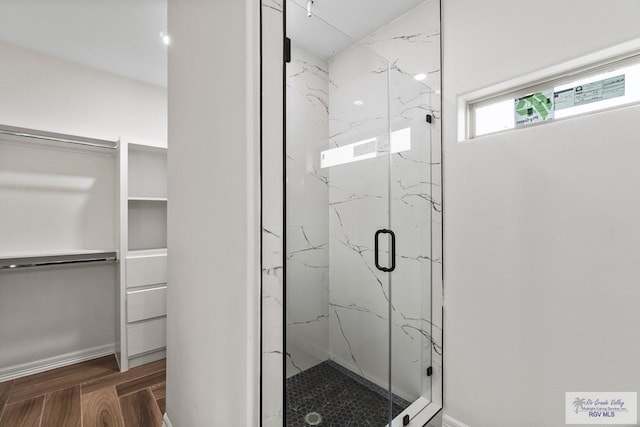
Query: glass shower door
[(360, 240), (362, 209), (338, 303), (411, 208)]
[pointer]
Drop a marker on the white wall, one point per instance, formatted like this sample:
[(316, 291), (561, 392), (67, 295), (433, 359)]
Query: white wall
[(213, 241), (44, 92), (541, 232), (46, 313), (56, 198)]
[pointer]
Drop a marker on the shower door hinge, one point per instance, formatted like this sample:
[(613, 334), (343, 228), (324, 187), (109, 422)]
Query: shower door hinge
[(429, 118), (287, 50), (429, 371)]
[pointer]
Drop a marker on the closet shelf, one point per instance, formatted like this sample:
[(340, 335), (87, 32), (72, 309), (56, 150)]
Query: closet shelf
[(147, 146), (34, 134), (54, 257), (147, 199), (144, 253)]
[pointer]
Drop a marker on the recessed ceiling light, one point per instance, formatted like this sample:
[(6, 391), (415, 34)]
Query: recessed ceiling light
[(358, 103), (166, 39), (420, 77)]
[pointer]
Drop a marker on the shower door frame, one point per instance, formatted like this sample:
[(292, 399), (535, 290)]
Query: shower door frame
[(273, 234)]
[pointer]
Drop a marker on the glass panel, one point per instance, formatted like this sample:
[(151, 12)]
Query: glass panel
[(411, 44), (337, 306), (359, 292), (411, 218), (359, 159)]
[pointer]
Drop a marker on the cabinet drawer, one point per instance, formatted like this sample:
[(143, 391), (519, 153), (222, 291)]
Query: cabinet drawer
[(146, 303), (146, 270), (146, 336)]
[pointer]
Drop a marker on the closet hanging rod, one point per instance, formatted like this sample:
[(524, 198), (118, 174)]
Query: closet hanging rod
[(57, 137), (44, 260)]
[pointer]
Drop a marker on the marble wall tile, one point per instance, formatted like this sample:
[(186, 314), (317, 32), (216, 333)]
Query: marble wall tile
[(412, 43), (338, 303), (380, 71), (307, 257)]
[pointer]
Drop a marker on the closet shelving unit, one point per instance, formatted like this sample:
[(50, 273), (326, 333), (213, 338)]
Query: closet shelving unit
[(143, 243), (11, 260)]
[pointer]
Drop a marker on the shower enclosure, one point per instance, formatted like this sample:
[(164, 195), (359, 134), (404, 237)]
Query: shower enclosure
[(360, 181)]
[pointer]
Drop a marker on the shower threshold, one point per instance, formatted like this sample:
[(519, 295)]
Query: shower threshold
[(339, 396)]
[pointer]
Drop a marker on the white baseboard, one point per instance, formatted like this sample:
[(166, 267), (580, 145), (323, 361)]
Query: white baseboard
[(30, 368), (147, 358), (166, 422), (448, 421)]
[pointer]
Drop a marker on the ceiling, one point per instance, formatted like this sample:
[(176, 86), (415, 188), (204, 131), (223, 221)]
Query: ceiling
[(119, 36), (123, 36), (337, 24)]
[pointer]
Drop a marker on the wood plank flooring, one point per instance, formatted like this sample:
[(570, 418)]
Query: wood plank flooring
[(62, 408), (87, 394), (102, 408), (138, 409)]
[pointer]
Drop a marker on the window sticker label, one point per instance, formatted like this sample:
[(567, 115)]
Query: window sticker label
[(612, 87), (534, 108), (601, 408), (564, 98)]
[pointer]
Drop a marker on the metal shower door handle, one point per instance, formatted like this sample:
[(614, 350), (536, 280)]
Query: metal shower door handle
[(393, 250)]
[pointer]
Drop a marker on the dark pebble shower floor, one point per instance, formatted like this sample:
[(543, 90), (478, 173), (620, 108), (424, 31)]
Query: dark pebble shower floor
[(342, 398)]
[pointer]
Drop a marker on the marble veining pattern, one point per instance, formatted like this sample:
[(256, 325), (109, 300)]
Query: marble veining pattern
[(307, 256), (359, 294), (338, 303)]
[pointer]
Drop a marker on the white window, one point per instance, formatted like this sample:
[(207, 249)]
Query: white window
[(583, 91)]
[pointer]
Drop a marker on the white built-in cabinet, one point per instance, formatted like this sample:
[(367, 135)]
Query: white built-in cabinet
[(143, 248)]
